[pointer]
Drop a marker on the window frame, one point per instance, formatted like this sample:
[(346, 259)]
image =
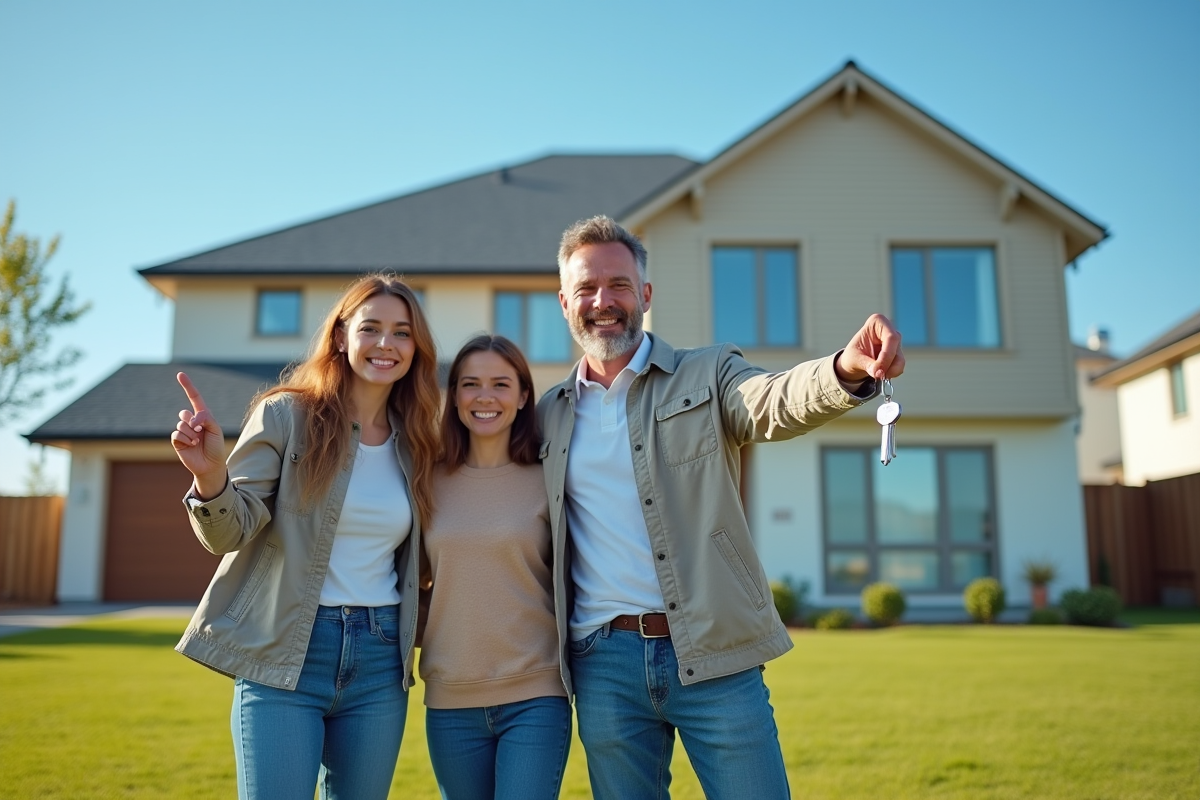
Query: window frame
[(523, 340), (926, 248), (761, 293), (1177, 379), (258, 309), (944, 545)]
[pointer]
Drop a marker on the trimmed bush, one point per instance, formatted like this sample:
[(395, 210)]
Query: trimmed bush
[(1099, 606), (1045, 616), (984, 599), (883, 603), (839, 619), (785, 601)]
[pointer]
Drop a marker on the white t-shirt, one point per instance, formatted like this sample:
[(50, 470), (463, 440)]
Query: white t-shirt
[(376, 518)]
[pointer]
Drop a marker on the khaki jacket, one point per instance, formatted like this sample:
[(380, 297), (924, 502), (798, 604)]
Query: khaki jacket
[(257, 615), (690, 412)]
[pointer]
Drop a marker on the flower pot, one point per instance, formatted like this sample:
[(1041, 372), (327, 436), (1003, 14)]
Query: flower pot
[(1039, 596)]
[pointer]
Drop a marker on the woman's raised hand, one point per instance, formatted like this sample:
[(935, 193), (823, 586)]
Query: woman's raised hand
[(199, 443)]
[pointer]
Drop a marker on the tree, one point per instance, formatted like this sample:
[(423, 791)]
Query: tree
[(30, 310)]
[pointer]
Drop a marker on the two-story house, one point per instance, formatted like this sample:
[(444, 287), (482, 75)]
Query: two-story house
[(851, 200)]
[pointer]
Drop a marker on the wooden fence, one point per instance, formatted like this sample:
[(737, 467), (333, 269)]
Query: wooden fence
[(29, 535), (1144, 541)]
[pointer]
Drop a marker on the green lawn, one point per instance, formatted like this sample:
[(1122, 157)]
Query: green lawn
[(109, 710)]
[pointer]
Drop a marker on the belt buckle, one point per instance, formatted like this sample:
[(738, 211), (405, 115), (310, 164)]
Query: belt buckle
[(642, 628)]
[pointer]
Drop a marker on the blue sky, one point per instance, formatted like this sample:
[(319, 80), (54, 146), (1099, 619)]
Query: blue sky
[(142, 131)]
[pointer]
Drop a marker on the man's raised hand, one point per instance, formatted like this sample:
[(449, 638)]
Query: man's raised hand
[(873, 352), (199, 442)]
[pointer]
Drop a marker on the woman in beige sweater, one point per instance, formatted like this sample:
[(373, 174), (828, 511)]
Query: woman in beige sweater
[(498, 720)]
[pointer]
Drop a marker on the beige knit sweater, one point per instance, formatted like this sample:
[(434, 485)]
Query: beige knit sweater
[(490, 637)]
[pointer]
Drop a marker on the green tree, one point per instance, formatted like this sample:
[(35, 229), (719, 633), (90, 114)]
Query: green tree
[(30, 310)]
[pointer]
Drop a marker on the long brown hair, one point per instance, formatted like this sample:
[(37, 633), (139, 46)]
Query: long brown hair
[(523, 439), (321, 383)]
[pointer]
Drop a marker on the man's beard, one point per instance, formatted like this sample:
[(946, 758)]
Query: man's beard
[(608, 347)]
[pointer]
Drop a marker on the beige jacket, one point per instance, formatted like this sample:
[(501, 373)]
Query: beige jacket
[(690, 412), (257, 615)]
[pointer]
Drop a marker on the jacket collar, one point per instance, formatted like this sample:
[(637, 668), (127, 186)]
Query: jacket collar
[(662, 356)]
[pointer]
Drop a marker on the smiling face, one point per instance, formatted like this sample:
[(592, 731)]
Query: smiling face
[(603, 299), (378, 340), (488, 395)]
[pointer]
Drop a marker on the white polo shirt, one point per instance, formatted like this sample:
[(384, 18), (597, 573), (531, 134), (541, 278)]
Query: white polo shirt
[(612, 564)]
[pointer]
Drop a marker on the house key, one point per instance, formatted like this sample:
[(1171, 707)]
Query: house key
[(886, 416)]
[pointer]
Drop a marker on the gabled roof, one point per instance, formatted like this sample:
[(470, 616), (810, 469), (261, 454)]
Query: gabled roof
[(1181, 341), (142, 401), (850, 81), (504, 221)]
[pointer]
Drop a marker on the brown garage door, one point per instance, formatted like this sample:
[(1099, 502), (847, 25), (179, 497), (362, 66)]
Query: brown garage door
[(151, 553)]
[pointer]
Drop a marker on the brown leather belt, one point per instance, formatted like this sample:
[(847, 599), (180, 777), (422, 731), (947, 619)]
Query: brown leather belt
[(650, 626)]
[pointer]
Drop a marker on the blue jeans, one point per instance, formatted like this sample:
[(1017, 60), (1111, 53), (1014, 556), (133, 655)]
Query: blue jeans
[(342, 726), (513, 751), (629, 703)]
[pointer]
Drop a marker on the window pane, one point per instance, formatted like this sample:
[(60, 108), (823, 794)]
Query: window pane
[(279, 313), (968, 502), (782, 324), (908, 295), (909, 570), (1178, 390), (508, 316), (549, 339), (969, 566), (906, 497), (846, 496), (735, 289), (964, 288), (848, 570)]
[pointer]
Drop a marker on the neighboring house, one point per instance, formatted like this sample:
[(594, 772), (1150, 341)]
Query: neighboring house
[(1098, 441), (852, 200), (1158, 400)]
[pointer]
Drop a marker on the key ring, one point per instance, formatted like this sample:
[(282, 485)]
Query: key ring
[(888, 391)]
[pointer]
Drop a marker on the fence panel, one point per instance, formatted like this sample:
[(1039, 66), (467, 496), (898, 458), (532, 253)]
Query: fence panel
[(29, 540)]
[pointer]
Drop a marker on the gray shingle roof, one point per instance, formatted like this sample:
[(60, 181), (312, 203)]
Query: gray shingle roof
[(142, 401), (507, 220)]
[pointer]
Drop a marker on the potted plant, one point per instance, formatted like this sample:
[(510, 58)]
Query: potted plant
[(1039, 574)]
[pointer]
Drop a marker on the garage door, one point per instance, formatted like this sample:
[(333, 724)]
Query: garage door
[(151, 553)]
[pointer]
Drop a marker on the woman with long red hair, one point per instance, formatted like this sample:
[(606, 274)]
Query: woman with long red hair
[(318, 513)]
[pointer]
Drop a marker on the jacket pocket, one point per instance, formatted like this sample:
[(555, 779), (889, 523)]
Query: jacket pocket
[(685, 427), (240, 603), (738, 566)]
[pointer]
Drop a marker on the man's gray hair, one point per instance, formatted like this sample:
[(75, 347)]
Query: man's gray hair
[(600, 230)]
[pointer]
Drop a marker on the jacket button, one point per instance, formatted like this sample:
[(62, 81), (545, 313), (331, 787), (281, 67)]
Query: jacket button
[(649, 502), (687, 402), (690, 673), (671, 606), (637, 447), (661, 556)]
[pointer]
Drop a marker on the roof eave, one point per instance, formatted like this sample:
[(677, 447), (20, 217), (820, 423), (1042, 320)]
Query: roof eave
[(1128, 370)]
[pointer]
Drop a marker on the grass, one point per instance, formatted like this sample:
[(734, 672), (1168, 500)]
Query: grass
[(108, 710)]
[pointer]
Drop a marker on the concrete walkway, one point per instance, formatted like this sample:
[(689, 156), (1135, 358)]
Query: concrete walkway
[(21, 619)]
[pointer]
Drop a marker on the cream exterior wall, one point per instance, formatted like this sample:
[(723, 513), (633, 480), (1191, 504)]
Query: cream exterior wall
[(1099, 441), (845, 189), (1155, 444), (1039, 502), (81, 551)]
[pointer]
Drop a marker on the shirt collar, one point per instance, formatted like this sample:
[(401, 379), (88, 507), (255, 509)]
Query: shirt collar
[(641, 357)]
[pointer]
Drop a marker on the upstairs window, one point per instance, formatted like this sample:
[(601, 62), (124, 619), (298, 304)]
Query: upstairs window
[(1179, 405), (756, 296), (278, 312), (534, 320), (946, 296)]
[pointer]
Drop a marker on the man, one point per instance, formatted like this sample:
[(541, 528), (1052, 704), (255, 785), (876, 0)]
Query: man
[(671, 618)]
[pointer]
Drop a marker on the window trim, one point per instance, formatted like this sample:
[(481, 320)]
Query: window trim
[(258, 296), (759, 245), (890, 244), (944, 546)]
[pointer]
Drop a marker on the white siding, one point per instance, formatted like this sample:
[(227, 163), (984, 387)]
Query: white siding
[(1155, 444), (1098, 445)]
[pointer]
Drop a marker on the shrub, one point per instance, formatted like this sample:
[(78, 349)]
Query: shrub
[(785, 601), (883, 603), (1099, 605), (839, 619), (984, 599), (1039, 573), (1045, 616)]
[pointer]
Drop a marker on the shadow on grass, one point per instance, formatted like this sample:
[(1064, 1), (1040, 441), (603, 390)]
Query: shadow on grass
[(73, 636)]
